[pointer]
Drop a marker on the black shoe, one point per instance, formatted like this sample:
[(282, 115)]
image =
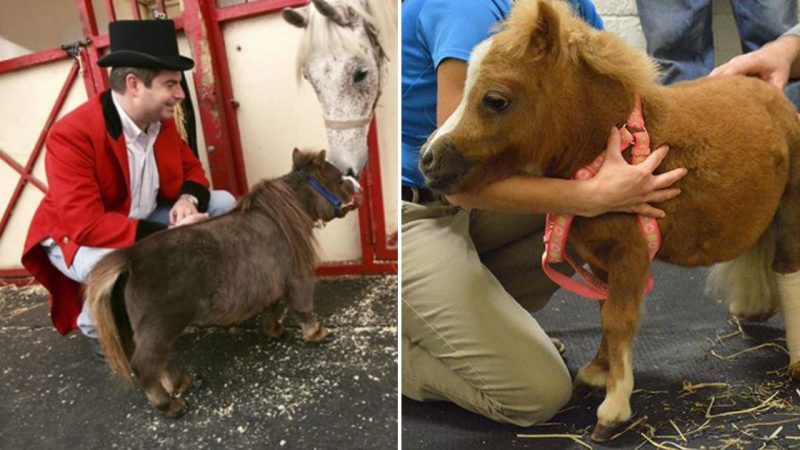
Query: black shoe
[(96, 349)]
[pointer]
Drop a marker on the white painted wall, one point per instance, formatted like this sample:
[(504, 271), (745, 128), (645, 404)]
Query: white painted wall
[(20, 125)]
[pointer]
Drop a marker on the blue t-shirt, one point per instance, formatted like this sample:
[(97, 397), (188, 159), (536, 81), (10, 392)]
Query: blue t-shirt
[(432, 31)]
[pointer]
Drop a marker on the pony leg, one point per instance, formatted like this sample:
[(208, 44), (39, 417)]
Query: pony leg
[(272, 320), (301, 302), (175, 381), (149, 363), (620, 315), (595, 373), (787, 267)]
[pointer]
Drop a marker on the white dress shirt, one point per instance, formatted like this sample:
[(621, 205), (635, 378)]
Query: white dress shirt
[(142, 163)]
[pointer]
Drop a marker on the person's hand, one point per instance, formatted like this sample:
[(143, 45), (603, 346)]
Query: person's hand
[(772, 62), (621, 187), (182, 208), (190, 219)]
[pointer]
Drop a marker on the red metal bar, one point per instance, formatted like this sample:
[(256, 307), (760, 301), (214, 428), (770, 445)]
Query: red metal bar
[(137, 13), (21, 170), (34, 156), (376, 201), (112, 14), (348, 268), (255, 8), (162, 7), (93, 74), (34, 59), (214, 92)]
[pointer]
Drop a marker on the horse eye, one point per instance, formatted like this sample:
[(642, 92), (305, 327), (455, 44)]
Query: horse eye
[(360, 74), (495, 102)]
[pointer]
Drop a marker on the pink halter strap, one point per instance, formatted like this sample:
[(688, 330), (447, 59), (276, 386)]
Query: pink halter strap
[(557, 225)]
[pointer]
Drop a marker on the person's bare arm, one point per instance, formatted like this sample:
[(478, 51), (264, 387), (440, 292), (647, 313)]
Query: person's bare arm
[(618, 186)]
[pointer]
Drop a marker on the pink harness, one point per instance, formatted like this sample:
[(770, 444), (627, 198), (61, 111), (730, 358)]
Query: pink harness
[(557, 226)]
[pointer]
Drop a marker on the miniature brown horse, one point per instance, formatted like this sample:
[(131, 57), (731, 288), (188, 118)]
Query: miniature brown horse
[(220, 272), (541, 95)]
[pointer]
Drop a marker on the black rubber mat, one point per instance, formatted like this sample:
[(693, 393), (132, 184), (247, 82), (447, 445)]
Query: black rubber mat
[(682, 362)]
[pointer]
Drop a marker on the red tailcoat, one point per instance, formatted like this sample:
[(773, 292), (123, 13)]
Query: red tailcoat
[(89, 198)]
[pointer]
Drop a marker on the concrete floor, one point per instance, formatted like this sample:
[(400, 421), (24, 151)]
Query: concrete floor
[(257, 393)]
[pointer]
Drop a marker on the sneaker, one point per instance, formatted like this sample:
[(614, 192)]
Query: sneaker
[(562, 349)]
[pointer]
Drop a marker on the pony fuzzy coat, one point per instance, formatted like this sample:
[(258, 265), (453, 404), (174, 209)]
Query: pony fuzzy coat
[(221, 271)]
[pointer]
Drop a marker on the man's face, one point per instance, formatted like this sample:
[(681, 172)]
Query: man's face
[(159, 100)]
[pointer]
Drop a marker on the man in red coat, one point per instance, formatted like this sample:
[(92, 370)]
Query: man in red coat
[(117, 170)]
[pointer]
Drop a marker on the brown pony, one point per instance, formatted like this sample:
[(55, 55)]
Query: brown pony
[(219, 272), (541, 95)]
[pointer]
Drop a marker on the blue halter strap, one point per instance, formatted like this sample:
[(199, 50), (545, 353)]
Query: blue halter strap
[(337, 204)]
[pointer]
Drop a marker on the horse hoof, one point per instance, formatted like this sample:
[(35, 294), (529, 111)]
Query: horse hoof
[(276, 332), (198, 382), (794, 371), (177, 409), (604, 433), (319, 335), (762, 317)]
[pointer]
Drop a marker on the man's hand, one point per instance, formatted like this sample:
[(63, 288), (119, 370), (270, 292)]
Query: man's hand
[(772, 63), (190, 219), (619, 186), (181, 209)]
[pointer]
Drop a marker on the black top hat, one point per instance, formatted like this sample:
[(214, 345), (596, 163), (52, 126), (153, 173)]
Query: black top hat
[(144, 43)]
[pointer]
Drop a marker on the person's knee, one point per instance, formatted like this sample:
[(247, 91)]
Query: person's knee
[(220, 202), (537, 401)]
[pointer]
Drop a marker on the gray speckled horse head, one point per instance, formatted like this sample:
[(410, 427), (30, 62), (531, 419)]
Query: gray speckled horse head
[(342, 56)]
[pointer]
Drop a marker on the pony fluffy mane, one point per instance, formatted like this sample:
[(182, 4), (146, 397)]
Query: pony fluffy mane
[(323, 35), (276, 199), (577, 41)]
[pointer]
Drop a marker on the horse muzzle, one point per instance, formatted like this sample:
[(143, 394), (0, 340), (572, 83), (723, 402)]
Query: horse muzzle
[(443, 166)]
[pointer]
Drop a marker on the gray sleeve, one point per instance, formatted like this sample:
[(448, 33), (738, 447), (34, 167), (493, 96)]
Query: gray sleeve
[(794, 31)]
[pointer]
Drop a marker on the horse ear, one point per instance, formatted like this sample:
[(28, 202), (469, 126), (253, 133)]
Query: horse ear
[(297, 158), (546, 38), (296, 16), (343, 16), (319, 160)]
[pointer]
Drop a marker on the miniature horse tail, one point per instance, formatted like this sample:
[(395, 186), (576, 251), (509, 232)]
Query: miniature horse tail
[(105, 294), (748, 283)]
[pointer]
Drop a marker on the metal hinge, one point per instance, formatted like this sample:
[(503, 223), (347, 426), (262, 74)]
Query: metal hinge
[(74, 49)]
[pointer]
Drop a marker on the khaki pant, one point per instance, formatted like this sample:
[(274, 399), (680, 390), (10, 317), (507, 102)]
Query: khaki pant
[(465, 338)]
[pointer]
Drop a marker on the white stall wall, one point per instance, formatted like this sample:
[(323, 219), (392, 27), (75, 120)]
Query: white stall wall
[(20, 125), (277, 112)]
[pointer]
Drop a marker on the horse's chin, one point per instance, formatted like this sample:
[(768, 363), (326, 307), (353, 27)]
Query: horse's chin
[(447, 185)]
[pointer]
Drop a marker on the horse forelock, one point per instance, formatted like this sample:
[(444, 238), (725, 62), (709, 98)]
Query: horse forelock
[(277, 200)]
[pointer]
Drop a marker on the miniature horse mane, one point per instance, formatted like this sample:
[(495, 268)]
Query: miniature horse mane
[(573, 40), (278, 200)]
